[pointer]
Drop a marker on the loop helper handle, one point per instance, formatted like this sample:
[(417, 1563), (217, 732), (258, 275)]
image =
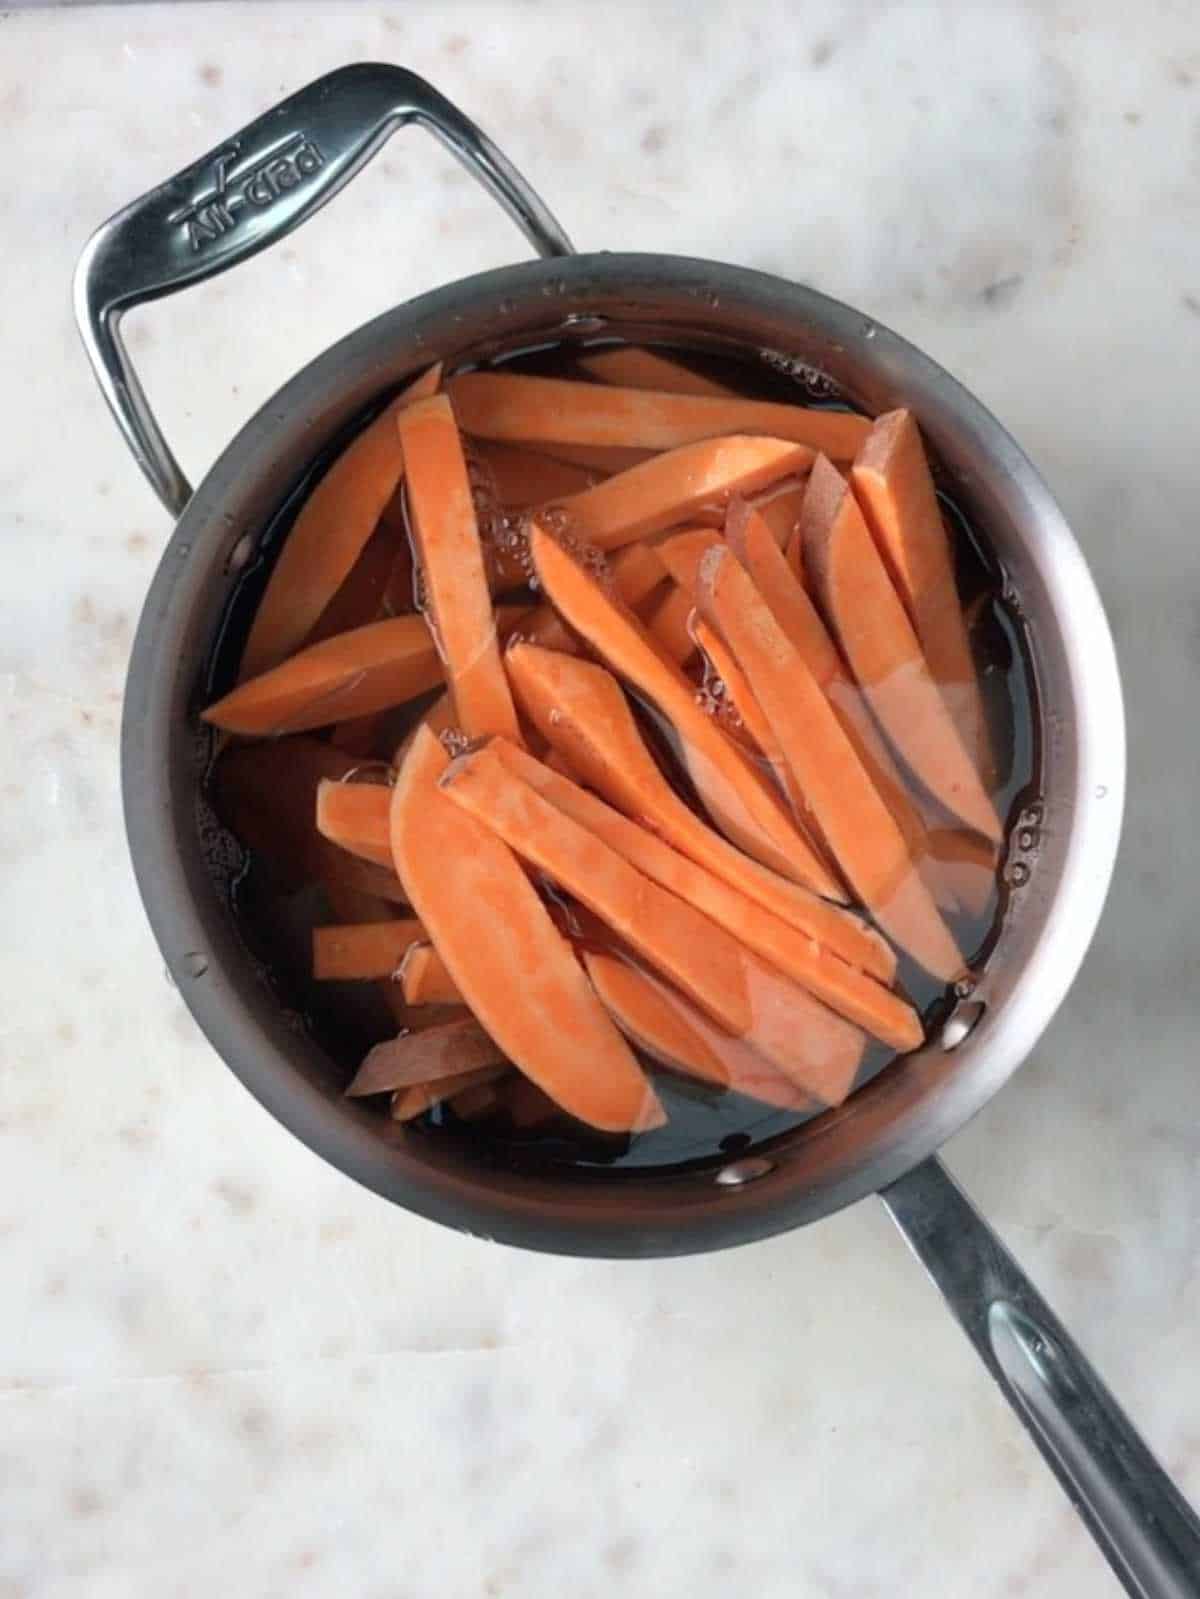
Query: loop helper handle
[(248, 193)]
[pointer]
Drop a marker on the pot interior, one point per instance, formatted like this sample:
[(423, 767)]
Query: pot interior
[(189, 867)]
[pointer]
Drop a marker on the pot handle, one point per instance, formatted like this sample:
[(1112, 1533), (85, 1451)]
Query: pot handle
[(1145, 1528), (246, 194)]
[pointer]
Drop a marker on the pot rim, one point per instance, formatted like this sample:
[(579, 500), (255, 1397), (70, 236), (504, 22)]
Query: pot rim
[(630, 1216)]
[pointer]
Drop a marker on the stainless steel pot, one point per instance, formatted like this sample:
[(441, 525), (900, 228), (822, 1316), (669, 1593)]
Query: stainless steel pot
[(249, 193)]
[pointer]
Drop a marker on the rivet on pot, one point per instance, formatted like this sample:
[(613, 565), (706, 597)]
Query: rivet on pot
[(962, 1024), (740, 1172), (239, 554)]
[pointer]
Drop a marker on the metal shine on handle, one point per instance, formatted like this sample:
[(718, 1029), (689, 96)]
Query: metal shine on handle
[(248, 193), (1142, 1523)]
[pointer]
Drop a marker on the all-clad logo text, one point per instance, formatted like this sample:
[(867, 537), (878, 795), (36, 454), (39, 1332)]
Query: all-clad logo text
[(242, 184)]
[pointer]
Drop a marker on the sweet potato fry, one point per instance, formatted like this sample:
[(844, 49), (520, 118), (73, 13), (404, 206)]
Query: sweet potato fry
[(967, 864), (816, 966), (738, 798), (601, 460), (354, 909), (892, 484), (669, 933), (528, 410), (774, 577), (883, 651), (665, 1025), (447, 539), (358, 951), (355, 816), (525, 987), (527, 477), (329, 533), (856, 824), (636, 571), (780, 510), (633, 368), (362, 595), (353, 674), (670, 488), (266, 794), (682, 553), (408, 1103), (580, 709), (668, 623), (739, 697), (424, 979), (435, 1054)]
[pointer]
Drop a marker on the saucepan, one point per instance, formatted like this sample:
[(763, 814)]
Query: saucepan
[(250, 192)]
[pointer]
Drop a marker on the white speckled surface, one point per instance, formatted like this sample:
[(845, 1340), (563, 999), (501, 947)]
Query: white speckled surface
[(225, 1368)]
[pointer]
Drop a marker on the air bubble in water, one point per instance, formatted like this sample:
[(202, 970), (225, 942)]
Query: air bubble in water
[(1018, 874), (1026, 838), (964, 988), (816, 384), (1101, 790)]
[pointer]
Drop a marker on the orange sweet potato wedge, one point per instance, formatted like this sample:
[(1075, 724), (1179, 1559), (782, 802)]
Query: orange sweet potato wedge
[(334, 524), (580, 709), (362, 596), (523, 478), (546, 629), (663, 1024), (353, 674), (774, 576), (526, 988), (668, 623), (669, 933), (845, 988), (780, 510), (424, 979), (408, 1103), (633, 368), (435, 1054), (738, 696), (636, 571), (266, 794), (858, 827), (740, 800), (795, 1032), (967, 864), (682, 553), (532, 410), (602, 460), (456, 588), (353, 909), (892, 484), (884, 653), (357, 951), (809, 1043), (670, 488), (355, 816)]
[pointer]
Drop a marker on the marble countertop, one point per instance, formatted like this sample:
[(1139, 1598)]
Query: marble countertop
[(223, 1367)]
